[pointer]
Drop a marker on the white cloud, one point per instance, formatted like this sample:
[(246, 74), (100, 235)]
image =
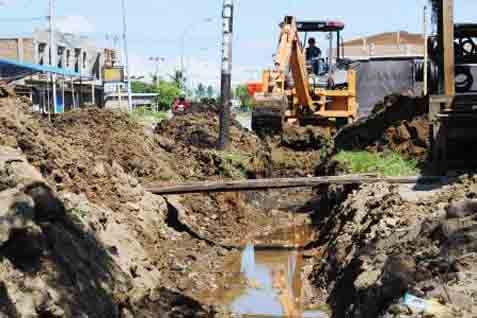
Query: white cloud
[(74, 24), (6, 2)]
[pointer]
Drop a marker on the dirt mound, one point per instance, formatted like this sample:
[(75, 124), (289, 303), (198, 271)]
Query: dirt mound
[(383, 241), (297, 151), (95, 163), (192, 139), (6, 91), (399, 123)]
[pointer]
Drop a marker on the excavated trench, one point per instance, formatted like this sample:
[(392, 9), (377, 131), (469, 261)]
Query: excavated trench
[(343, 252)]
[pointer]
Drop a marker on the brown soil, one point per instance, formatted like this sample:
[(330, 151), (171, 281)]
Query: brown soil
[(399, 123), (382, 241), (299, 150), (149, 253)]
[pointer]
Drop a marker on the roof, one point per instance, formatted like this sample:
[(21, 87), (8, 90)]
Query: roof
[(388, 38), (11, 69), (133, 94), (319, 26)]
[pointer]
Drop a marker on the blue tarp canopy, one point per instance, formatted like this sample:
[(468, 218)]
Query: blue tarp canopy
[(11, 69)]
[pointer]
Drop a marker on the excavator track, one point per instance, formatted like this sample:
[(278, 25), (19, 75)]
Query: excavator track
[(267, 114)]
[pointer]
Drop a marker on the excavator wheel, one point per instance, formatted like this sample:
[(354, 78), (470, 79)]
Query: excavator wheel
[(341, 122), (267, 115)]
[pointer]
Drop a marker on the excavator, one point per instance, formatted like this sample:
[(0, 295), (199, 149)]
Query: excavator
[(294, 93)]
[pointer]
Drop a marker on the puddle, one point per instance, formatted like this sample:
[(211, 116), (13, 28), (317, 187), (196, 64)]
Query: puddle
[(265, 281)]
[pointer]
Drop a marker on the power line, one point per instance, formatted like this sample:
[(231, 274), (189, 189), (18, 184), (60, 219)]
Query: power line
[(23, 19)]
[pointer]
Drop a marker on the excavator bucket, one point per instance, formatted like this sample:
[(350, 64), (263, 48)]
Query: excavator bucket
[(267, 114)]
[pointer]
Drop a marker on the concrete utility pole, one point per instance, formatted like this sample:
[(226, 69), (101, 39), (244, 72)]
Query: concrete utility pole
[(126, 56), (226, 76), (52, 53)]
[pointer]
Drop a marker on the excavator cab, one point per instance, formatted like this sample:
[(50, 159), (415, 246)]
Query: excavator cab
[(329, 70), (295, 91)]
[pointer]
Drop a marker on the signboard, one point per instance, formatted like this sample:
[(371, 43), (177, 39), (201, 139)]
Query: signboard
[(113, 74)]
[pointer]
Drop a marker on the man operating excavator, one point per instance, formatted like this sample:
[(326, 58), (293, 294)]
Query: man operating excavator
[(313, 55)]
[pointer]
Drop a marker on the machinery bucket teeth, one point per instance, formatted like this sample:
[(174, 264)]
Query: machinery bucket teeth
[(267, 115)]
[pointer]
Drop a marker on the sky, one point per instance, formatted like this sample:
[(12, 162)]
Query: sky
[(156, 27)]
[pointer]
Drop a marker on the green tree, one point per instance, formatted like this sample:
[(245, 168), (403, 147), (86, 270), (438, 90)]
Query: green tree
[(200, 91), (210, 91), (179, 79), (141, 87), (168, 91), (241, 92)]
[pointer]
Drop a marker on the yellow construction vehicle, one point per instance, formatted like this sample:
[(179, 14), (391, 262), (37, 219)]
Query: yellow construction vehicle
[(300, 92)]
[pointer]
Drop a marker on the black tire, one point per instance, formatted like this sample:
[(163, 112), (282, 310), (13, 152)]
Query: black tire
[(342, 122), (467, 81)]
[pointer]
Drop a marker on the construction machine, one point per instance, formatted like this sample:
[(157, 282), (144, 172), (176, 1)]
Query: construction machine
[(295, 91)]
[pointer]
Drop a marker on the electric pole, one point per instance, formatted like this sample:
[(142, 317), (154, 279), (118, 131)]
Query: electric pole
[(52, 53), (126, 56), (226, 74)]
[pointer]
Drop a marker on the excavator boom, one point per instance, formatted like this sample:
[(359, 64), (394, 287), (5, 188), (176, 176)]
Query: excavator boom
[(286, 94)]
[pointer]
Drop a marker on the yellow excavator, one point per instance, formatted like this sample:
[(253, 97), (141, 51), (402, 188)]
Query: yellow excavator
[(296, 92)]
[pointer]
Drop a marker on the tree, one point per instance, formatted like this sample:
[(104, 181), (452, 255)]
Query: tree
[(200, 91), (210, 91), (241, 92), (141, 87), (168, 91), (179, 79)]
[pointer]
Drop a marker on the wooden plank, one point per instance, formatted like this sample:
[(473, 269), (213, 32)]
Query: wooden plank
[(282, 183)]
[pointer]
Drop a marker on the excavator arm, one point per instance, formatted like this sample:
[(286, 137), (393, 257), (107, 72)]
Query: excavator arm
[(272, 102)]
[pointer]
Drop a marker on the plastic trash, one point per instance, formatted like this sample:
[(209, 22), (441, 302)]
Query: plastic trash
[(431, 306), (416, 304)]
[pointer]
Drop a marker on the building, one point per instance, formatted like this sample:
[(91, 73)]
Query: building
[(385, 45), (117, 100), (76, 53)]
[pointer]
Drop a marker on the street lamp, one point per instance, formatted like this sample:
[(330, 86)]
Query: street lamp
[(126, 55), (184, 35)]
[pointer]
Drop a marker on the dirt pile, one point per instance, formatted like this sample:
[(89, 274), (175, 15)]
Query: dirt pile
[(192, 139), (63, 256), (383, 241), (145, 248), (299, 150), (113, 241), (399, 123), (6, 91)]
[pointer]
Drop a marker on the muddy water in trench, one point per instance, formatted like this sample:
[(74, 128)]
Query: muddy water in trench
[(265, 279)]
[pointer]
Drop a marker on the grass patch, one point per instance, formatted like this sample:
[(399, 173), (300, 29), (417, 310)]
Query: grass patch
[(385, 164), (233, 164), (147, 116)]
